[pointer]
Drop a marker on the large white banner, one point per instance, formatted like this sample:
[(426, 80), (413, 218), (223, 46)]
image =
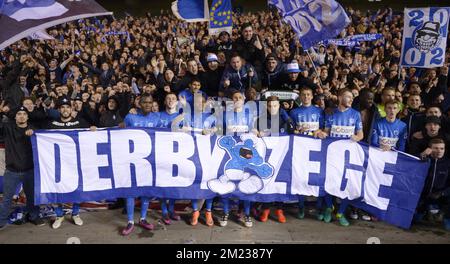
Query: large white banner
[(76, 166), (425, 37)]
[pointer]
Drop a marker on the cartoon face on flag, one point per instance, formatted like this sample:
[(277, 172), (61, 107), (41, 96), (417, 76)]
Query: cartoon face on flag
[(31, 9), (425, 37), (246, 166)]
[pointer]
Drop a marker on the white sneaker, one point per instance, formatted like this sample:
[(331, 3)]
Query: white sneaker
[(366, 217), (248, 221), (224, 220), (354, 215), (58, 222), (77, 220)]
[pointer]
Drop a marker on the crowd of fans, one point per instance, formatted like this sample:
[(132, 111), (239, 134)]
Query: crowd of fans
[(96, 71)]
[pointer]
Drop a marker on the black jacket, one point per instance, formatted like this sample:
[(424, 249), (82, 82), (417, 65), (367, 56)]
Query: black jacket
[(272, 80), (438, 179), (18, 152), (286, 124), (38, 118), (414, 122), (417, 145), (287, 84), (186, 80), (248, 51), (110, 119), (212, 81), (9, 86)]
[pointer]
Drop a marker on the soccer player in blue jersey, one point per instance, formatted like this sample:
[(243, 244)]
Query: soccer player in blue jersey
[(145, 118), (237, 121), (277, 123), (309, 120), (203, 122), (389, 132), (240, 119), (170, 112), (168, 119), (345, 122)]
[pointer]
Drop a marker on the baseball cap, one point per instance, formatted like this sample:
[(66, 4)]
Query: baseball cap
[(63, 101), (212, 57), (292, 68)]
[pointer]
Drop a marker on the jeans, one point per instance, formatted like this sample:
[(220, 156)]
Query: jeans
[(342, 207), (226, 206), (443, 204), (130, 208), (209, 203), (75, 210), (10, 182), (164, 208)]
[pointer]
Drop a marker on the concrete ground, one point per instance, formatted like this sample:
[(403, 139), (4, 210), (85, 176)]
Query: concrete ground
[(104, 226)]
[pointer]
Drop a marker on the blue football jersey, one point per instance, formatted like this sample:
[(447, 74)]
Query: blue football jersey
[(139, 120), (309, 118), (238, 122), (165, 119), (393, 134), (201, 121), (344, 124)]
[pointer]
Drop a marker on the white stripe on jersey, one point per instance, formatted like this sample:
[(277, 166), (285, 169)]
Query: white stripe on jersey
[(391, 142), (342, 131)]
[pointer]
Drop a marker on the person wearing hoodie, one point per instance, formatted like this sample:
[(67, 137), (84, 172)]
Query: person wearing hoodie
[(213, 75), (435, 110), (19, 166), (294, 81), (111, 117), (238, 76), (84, 111), (271, 76), (263, 128), (249, 46), (436, 192), (420, 141), (192, 72), (413, 115), (224, 44)]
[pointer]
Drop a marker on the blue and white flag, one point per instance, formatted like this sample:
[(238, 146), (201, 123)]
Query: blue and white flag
[(365, 37), (77, 166), (313, 20), (340, 42), (40, 35), (32, 9), (425, 37), (22, 18), (191, 10), (220, 17), (353, 40)]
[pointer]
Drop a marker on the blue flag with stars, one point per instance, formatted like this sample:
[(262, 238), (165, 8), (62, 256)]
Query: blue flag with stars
[(220, 17)]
